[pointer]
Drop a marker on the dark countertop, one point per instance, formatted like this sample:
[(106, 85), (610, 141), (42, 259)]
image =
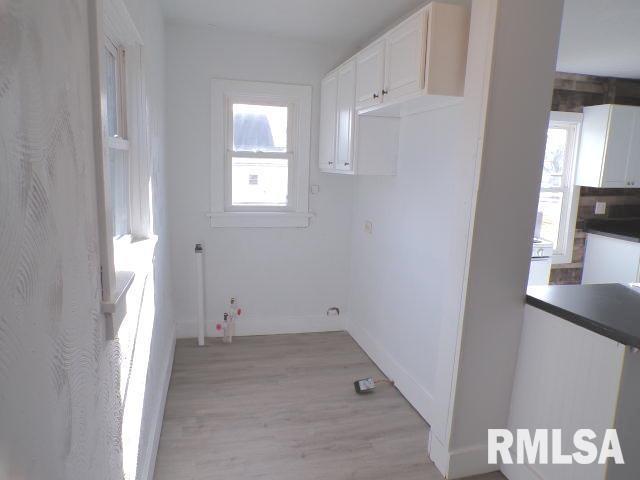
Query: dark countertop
[(622, 229), (611, 310)]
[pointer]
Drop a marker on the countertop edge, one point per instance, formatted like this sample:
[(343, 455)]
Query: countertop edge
[(583, 321), (619, 236)]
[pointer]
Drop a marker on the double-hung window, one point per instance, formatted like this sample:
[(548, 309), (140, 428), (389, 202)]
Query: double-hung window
[(118, 143), (260, 154), (122, 150), (557, 206)]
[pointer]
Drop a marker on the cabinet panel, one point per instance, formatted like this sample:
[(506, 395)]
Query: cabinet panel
[(610, 147), (633, 166), (328, 119), (405, 48), (620, 134), (370, 75), (610, 260), (346, 116)]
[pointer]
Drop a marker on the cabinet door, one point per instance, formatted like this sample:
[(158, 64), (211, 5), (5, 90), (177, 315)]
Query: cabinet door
[(619, 138), (610, 260), (328, 119), (370, 78), (633, 164), (405, 48), (346, 116)]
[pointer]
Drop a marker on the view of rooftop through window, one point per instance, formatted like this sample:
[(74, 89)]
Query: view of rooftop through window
[(263, 180)]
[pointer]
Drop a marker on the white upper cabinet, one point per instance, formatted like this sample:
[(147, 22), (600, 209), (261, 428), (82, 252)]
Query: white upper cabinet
[(370, 75), (351, 144), (418, 65), (328, 119), (404, 57), (346, 116), (610, 147)]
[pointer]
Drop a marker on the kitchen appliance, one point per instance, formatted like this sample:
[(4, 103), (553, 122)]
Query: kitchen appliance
[(541, 256)]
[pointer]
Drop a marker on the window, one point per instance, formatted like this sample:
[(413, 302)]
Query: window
[(260, 154), (118, 144), (557, 206), (122, 153)]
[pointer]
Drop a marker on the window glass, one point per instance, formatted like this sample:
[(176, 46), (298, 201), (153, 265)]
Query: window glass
[(112, 94), (550, 205), (555, 157), (119, 176), (259, 128), (259, 181)]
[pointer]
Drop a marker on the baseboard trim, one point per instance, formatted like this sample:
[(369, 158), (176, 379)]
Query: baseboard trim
[(269, 325), (152, 451), (420, 398), (459, 463)]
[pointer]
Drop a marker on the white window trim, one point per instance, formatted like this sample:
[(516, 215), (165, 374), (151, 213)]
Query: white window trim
[(569, 214), (110, 21), (223, 94)]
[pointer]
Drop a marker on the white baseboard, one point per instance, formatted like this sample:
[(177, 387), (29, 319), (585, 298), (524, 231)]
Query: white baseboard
[(152, 449), (420, 398), (269, 325), (459, 463)]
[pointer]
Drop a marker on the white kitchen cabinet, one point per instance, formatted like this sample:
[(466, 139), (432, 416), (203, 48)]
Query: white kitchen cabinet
[(351, 144), (416, 66), (370, 75), (404, 54), (566, 377), (610, 147), (610, 260), (328, 119), (346, 116)]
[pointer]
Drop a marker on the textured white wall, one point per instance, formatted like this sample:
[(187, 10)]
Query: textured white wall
[(60, 387), (285, 278)]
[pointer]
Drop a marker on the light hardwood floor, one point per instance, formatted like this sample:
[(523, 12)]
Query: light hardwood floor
[(283, 407)]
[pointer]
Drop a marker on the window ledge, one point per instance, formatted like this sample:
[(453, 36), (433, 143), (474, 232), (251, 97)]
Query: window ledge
[(116, 308), (259, 219)]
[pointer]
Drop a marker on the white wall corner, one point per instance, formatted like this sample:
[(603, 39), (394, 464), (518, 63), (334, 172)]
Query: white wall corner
[(419, 397)]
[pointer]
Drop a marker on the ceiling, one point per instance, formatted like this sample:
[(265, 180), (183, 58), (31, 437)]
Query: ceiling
[(601, 37), (345, 23)]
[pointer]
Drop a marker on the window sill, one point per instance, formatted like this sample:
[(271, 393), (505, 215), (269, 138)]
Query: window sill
[(135, 257), (116, 308), (259, 219)]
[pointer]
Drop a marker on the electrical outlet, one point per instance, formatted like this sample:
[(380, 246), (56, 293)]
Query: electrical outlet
[(368, 227), (601, 208)]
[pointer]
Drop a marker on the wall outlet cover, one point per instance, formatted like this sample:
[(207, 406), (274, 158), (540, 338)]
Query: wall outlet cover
[(368, 227), (601, 208)]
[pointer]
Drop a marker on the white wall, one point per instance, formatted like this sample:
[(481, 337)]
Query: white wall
[(407, 276), (60, 386), (284, 278), (512, 153)]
